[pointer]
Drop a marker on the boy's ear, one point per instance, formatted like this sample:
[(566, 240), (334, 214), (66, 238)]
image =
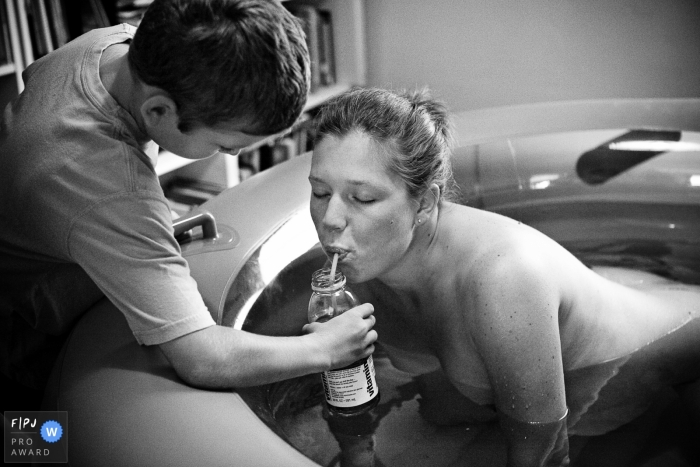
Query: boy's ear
[(429, 200), (158, 110)]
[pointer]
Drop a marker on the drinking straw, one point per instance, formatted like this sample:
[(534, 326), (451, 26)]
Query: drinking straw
[(334, 300)]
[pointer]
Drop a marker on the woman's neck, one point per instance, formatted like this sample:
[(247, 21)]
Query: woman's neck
[(415, 271)]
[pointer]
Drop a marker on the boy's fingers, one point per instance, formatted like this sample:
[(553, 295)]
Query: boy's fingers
[(366, 309), (372, 336), (372, 321)]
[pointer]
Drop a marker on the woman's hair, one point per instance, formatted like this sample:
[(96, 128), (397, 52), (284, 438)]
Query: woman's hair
[(413, 128), (225, 60)]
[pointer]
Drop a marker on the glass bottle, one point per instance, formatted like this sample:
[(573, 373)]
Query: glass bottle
[(353, 389)]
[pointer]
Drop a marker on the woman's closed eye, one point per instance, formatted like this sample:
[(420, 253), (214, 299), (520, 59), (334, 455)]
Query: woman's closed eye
[(364, 199)]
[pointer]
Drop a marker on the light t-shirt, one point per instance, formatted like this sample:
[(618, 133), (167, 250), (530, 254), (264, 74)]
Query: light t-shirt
[(82, 211)]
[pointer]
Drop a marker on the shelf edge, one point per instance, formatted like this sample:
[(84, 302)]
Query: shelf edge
[(7, 69)]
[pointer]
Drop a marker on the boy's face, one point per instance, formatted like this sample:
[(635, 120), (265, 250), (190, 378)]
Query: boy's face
[(203, 142)]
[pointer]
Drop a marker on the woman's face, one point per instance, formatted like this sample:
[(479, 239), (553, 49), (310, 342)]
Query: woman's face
[(361, 209)]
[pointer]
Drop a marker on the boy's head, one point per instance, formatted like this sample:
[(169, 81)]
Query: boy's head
[(225, 61)]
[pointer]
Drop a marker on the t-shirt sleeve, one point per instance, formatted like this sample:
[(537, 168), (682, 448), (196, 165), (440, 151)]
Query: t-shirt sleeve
[(126, 244)]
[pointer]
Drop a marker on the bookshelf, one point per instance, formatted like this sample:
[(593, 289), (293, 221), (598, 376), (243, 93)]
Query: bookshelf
[(11, 62), (29, 29), (336, 34)]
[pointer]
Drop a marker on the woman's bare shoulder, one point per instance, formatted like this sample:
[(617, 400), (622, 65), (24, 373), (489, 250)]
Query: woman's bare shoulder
[(495, 248)]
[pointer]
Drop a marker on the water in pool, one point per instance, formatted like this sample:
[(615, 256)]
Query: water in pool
[(407, 430)]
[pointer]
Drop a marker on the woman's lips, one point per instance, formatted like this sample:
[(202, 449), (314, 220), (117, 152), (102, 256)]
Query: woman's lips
[(332, 250)]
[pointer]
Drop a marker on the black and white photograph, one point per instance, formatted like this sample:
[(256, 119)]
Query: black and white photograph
[(350, 233)]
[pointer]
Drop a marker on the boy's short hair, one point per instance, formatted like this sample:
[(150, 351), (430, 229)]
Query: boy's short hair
[(223, 61)]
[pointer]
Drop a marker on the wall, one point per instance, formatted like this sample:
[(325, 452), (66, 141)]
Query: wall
[(481, 53)]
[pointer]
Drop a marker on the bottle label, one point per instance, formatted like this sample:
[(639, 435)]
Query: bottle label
[(350, 386)]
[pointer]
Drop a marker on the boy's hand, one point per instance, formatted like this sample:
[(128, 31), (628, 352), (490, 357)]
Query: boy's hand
[(345, 338)]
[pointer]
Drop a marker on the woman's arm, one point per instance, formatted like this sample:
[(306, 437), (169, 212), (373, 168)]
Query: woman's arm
[(515, 303), (535, 443)]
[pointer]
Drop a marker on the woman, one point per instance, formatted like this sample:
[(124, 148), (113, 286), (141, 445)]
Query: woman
[(514, 321)]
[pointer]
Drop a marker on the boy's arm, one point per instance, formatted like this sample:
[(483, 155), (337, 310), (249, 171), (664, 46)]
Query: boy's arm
[(218, 356), (126, 246)]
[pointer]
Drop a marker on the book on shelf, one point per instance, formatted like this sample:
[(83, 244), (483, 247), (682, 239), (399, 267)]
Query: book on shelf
[(48, 25), (283, 150), (308, 16), (265, 157), (58, 22), (326, 61), (245, 172), (39, 28), (268, 155), (248, 164), (278, 152), (304, 134), (318, 28), (99, 13), (5, 44)]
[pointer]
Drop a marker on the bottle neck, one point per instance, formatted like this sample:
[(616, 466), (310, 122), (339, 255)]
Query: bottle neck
[(321, 281)]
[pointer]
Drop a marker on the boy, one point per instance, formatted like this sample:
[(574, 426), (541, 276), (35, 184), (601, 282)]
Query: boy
[(83, 214)]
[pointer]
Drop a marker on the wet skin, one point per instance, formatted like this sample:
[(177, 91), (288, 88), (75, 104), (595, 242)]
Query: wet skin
[(505, 309)]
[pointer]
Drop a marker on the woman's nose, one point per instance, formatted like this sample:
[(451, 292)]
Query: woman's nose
[(334, 217)]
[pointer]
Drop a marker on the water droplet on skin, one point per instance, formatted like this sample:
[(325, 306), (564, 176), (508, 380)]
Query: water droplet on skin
[(512, 406)]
